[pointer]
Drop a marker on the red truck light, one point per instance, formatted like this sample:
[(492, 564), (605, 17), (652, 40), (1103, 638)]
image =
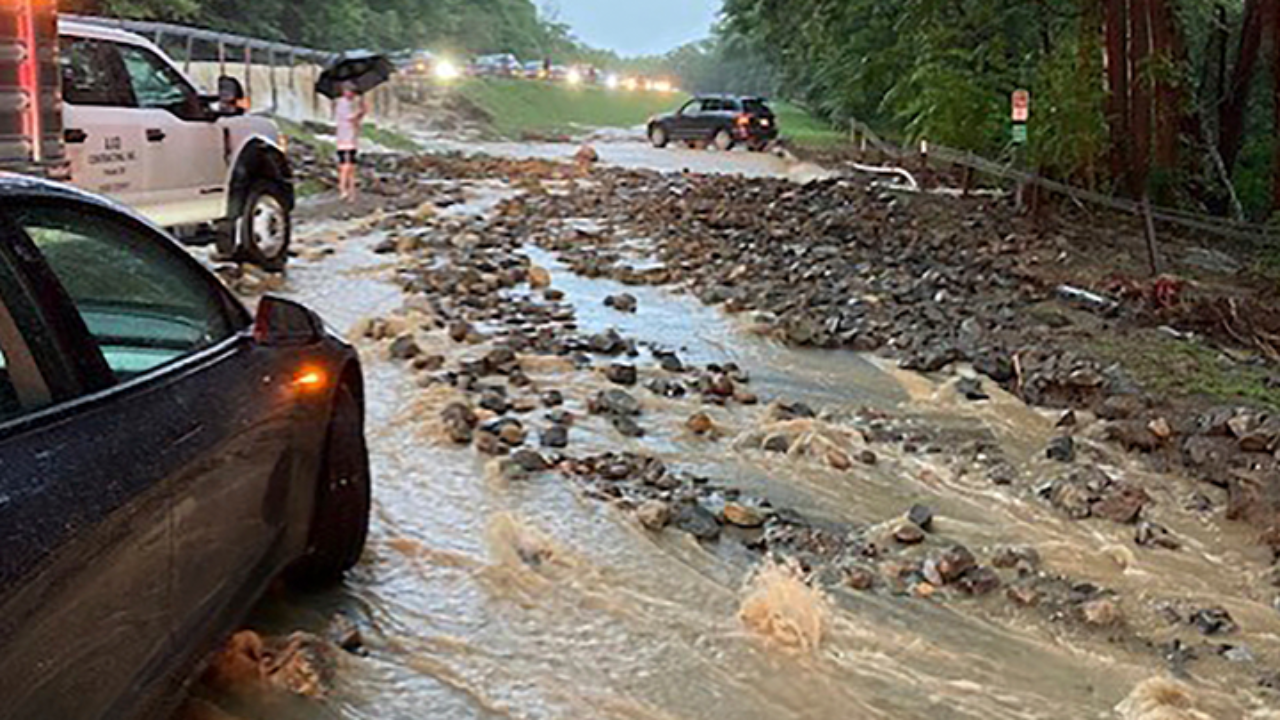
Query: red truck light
[(29, 76), (22, 111)]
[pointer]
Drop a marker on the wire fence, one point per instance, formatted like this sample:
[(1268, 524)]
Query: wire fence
[(1252, 233)]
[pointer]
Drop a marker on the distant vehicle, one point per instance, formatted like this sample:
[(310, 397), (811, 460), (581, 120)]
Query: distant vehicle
[(125, 122), (535, 70), (722, 120), (166, 456), (504, 65), (415, 62)]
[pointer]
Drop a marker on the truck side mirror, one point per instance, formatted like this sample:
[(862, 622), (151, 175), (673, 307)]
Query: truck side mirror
[(231, 96)]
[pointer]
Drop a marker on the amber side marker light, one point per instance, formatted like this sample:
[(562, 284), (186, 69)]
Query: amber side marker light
[(310, 379)]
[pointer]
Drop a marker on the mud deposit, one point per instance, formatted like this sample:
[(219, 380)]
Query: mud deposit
[(606, 500)]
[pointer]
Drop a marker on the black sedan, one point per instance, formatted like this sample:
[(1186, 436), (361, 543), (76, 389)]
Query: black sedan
[(721, 120), (164, 455)]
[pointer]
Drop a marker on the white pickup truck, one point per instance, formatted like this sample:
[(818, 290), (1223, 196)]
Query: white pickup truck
[(135, 128)]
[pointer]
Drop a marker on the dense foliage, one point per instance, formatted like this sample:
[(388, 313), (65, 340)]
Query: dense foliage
[(1143, 96), (478, 26)]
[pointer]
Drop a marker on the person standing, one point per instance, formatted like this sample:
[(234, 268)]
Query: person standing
[(348, 115)]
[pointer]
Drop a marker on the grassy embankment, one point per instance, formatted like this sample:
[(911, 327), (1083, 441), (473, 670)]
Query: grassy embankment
[(799, 128), (522, 108)]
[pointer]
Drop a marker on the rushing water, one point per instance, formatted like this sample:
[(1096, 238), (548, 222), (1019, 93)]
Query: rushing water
[(481, 597)]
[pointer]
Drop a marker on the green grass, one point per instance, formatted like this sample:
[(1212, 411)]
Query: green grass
[(521, 107), (309, 188), (1188, 369), (390, 139), (799, 127), (531, 108), (296, 132)]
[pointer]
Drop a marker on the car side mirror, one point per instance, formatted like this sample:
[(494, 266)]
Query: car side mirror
[(285, 323)]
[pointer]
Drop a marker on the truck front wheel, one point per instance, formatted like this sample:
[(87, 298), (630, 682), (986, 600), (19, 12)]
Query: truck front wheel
[(264, 228)]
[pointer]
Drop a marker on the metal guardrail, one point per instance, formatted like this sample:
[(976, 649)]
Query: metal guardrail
[(1222, 227), (246, 52), (158, 31)]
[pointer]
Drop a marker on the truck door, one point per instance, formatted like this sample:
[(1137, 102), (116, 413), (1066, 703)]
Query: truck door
[(186, 159), (104, 140)]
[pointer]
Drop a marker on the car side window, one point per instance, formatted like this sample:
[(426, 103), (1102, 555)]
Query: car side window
[(92, 73), (143, 303), (23, 389), (157, 85)]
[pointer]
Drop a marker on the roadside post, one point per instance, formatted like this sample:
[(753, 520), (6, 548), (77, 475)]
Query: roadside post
[(248, 73), (1021, 113)]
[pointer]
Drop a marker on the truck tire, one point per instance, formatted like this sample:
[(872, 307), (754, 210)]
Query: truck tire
[(723, 140), (264, 228), (340, 520), (658, 136)]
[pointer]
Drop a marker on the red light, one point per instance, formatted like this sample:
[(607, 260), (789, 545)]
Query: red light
[(29, 78), (744, 119)]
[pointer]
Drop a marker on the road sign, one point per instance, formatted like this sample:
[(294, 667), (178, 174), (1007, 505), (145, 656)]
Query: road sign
[(1020, 133), (1021, 106)]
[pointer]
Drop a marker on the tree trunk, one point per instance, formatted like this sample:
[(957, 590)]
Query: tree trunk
[(1222, 36), (1236, 100), (1117, 54), (1167, 60), (1140, 103), (1091, 46), (1275, 101)]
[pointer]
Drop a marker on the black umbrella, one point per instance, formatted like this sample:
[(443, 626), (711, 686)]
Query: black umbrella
[(366, 70)]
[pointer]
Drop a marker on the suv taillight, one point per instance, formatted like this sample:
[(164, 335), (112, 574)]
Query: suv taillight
[(744, 120)]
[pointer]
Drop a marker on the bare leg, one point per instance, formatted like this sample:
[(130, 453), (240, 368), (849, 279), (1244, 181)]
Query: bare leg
[(344, 181)]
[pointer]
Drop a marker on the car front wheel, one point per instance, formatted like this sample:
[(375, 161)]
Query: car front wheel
[(340, 521), (658, 136), (264, 229)]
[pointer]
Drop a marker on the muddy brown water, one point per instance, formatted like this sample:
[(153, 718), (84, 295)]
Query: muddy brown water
[(610, 621)]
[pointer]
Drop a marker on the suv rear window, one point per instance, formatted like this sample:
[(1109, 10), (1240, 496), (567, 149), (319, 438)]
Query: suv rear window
[(756, 106)]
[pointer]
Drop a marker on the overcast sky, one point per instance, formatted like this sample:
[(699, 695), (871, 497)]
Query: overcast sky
[(638, 27)]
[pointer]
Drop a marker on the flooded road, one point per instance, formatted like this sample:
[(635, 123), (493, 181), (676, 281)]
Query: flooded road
[(488, 595), (631, 150)]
